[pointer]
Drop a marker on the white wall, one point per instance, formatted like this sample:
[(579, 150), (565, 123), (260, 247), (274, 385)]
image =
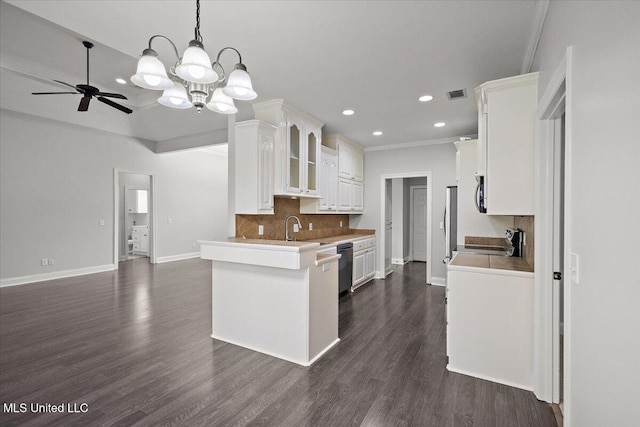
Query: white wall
[(470, 221), (439, 159), (56, 183), (604, 351)]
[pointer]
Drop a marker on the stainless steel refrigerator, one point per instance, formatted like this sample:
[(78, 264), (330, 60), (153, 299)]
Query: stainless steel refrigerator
[(450, 222)]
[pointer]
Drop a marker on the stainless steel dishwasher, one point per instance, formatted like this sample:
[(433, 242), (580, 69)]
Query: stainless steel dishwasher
[(345, 267)]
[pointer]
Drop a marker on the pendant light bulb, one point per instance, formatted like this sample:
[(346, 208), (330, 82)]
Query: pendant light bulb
[(150, 73), (175, 97), (195, 66), (239, 85), (221, 103)]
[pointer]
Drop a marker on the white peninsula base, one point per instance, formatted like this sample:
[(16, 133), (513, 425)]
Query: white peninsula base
[(277, 298)]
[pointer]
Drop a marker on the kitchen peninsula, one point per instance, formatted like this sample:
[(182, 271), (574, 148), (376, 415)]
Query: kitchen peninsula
[(279, 298)]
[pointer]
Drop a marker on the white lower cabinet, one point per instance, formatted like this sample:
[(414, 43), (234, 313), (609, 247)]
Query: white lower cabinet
[(364, 261), (140, 238), (490, 325)]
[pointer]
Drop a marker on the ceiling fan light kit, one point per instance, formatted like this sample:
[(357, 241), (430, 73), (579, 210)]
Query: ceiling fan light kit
[(194, 77)]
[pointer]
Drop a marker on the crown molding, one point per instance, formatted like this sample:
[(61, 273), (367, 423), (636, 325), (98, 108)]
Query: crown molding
[(540, 14), (418, 143)]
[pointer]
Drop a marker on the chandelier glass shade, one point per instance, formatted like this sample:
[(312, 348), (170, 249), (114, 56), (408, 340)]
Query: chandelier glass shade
[(194, 77)]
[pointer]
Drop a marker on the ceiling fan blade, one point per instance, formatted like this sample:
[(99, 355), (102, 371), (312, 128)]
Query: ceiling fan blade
[(66, 84), (115, 105), (84, 103), (111, 95), (53, 93)]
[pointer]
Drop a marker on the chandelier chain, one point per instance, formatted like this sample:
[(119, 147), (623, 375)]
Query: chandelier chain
[(198, 36)]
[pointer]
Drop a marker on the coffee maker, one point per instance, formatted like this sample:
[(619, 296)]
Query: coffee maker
[(515, 237)]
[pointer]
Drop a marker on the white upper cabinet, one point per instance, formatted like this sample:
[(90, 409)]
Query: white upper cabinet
[(506, 131), (351, 157), (254, 167), (297, 148), (329, 180)]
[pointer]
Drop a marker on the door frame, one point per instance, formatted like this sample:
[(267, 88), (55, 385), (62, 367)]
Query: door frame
[(557, 96), (380, 270), (116, 216), (411, 188)]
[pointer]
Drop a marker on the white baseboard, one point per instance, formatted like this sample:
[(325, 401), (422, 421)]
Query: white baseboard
[(399, 261), (438, 281), (178, 257), (378, 275), (33, 278), (488, 378)]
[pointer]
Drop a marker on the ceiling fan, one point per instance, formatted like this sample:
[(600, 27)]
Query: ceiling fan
[(87, 91)]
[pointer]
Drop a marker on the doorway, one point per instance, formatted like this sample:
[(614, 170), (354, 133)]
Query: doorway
[(134, 226), (554, 275), (404, 223)]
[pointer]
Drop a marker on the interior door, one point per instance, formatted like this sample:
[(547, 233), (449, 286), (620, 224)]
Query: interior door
[(387, 226), (419, 226), (558, 260)]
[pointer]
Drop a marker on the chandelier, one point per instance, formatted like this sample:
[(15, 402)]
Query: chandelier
[(194, 77)]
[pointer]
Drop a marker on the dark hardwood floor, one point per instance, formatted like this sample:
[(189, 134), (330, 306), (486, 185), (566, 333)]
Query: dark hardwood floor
[(135, 346)]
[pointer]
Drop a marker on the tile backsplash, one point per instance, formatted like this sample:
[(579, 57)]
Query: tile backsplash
[(323, 225)]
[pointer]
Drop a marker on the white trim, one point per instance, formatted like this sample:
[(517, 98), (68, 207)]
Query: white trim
[(418, 143), (179, 257), (383, 189), (438, 281), (411, 188), (540, 14), (23, 280), (558, 91), (488, 378), (279, 356)]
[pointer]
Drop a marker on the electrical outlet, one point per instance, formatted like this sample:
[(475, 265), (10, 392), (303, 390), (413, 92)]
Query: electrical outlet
[(296, 228), (340, 224), (441, 225), (260, 230), (50, 261), (101, 223), (310, 226), (44, 261)]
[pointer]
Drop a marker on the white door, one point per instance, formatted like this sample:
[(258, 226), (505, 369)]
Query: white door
[(388, 226), (558, 260), (419, 225)]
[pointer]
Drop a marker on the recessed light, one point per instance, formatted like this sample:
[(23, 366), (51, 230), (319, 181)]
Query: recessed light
[(377, 133), (439, 124), (121, 81), (425, 98), (348, 112)]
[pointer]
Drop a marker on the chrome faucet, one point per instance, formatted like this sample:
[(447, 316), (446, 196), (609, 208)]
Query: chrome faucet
[(286, 227)]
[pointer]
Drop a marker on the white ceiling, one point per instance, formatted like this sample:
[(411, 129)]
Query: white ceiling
[(375, 57)]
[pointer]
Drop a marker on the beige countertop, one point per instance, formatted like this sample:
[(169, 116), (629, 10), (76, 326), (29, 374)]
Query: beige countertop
[(279, 245), (496, 262), (341, 238)]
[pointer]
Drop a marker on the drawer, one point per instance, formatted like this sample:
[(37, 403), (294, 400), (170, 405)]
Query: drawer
[(359, 245), (371, 242), (137, 246), (136, 237)]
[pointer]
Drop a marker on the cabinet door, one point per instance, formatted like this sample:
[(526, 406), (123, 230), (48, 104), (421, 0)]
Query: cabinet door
[(345, 160), (333, 182), (295, 155), (323, 191), (370, 263), (312, 157), (358, 165), (357, 196), (344, 194), (265, 171), (358, 267)]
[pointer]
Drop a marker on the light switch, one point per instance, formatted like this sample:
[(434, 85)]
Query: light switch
[(101, 222), (575, 268), (169, 220), (260, 230), (310, 226), (340, 223), (441, 225)]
